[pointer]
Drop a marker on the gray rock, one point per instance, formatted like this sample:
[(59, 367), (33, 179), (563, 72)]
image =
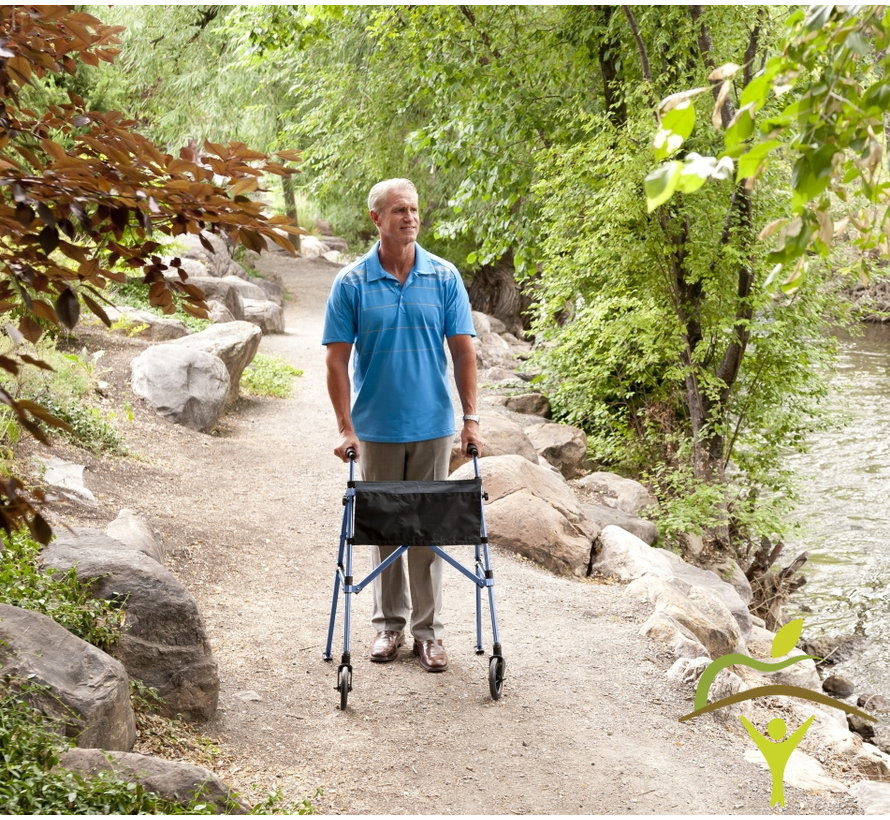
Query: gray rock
[(872, 797), (481, 323), (876, 704), (838, 686), (164, 642), (248, 290), (144, 324), (83, 688), (187, 386), (171, 780), (218, 312), (532, 511), (502, 437), (273, 291), (235, 343), (134, 531), (268, 316), (66, 477), (803, 673), (533, 404), (614, 490), (604, 516), (864, 728), (696, 612), (493, 351), (220, 290), (623, 556)]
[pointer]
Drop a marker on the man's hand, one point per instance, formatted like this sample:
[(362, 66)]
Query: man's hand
[(348, 441), (470, 434)]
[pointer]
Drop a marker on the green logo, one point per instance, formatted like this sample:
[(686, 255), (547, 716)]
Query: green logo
[(777, 744)]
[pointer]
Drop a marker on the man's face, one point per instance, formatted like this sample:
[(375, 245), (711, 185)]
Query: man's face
[(398, 220)]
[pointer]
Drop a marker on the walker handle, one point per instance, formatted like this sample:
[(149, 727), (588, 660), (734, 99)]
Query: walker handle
[(472, 450), (351, 453)]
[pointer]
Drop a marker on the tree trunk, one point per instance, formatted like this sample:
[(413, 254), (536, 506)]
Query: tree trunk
[(495, 291), (290, 206)]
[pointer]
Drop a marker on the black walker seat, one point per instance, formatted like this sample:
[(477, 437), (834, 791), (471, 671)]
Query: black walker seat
[(406, 514)]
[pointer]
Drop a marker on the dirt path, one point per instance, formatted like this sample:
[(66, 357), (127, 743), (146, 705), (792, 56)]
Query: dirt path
[(251, 516)]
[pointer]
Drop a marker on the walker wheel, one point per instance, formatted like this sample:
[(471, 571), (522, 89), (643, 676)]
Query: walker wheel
[(496, 669), (344, 685)]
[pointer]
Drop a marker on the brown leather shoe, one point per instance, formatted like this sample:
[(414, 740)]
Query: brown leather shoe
[(386, 646), (431, 655)]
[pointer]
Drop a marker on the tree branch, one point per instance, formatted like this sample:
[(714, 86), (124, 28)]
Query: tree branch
[(642, 51)]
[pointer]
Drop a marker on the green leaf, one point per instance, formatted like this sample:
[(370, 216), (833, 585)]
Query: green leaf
[(661, 183), (680, 120), (756, 92), (741, 127), (787, 637), (750, 161)]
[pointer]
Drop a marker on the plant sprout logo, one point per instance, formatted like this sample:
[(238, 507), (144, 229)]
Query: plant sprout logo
[(777, 744)]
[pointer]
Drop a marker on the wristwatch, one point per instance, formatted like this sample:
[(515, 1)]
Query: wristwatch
[(471, 417)]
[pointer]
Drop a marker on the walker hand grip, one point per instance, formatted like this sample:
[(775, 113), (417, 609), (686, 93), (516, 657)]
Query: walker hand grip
[(351, 453), (472, 450)]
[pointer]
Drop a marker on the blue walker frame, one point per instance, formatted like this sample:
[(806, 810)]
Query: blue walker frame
[(482, 575)]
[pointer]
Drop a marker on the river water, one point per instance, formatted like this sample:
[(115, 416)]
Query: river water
[(845, 514)]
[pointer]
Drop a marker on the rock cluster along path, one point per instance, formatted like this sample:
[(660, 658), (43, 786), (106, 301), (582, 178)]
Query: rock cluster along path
[(588, 722)]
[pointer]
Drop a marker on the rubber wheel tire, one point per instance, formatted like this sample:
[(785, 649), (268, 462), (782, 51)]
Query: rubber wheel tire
[(496, 668), (344, 685)]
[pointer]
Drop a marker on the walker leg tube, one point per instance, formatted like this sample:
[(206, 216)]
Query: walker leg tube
[(491, 605), (480, 574), (328, 646)]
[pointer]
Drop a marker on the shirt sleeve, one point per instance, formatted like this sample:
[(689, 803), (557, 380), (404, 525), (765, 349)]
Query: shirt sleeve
[(458, 314), (340, 322)]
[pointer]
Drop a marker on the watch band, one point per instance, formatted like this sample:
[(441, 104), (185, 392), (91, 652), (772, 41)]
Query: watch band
[(471, 417)]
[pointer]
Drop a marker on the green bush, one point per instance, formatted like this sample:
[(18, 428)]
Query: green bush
[(269, 376), (66, 391), (58, 595), (29, 783)]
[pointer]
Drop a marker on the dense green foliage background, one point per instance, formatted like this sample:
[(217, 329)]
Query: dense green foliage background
[(529, 132)]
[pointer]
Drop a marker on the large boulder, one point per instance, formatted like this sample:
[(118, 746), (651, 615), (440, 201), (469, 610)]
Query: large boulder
[(220, 290), (614, 490), (493, 351), (172, 780), (69, 680), (144, 324), (604, 516), (235, 343), (247, 289), (502, 437), (267, 315), (623, 556), (218, 260), (164, 641), (187, 386), (533, 404), (532, 511), (564, 446), (134, 532)]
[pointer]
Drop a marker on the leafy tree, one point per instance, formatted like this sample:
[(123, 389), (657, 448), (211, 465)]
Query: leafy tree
[(84, 199), (675, 357), (818, 106)]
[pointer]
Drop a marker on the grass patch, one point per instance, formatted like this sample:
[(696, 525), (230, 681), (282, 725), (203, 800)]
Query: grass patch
[(269, 376)]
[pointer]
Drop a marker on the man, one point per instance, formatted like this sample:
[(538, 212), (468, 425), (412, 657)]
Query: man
[(394, 307)]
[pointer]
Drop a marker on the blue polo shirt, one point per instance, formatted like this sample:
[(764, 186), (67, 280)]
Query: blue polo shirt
[(400, 374)]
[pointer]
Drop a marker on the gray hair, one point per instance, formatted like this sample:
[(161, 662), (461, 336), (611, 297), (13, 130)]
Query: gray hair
[(378, 194)]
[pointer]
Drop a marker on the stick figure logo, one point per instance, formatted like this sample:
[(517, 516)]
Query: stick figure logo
[(777, 744)]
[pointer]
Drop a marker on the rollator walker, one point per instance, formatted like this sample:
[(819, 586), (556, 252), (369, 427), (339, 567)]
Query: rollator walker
[(407, 514)]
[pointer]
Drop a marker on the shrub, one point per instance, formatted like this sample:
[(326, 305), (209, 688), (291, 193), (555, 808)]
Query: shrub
[(58, 595)]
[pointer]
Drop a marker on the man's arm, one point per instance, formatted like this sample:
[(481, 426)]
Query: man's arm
[(340, 392), (463, 354)]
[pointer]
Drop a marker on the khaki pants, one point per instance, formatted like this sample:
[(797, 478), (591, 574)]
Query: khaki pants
[(419, 598)]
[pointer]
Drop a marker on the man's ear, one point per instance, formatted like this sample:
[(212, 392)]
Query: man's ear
[(374, 218)]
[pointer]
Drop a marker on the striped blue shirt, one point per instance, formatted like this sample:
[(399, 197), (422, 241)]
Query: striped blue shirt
[(400, 374)]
